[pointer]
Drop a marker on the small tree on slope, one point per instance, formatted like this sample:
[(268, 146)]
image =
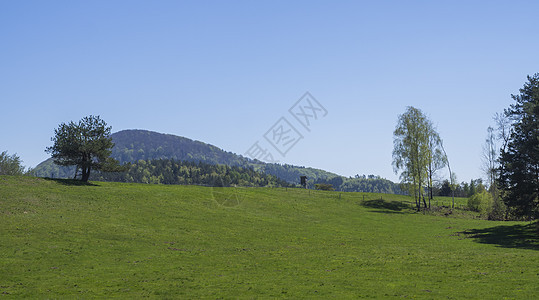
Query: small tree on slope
[(86, 144)]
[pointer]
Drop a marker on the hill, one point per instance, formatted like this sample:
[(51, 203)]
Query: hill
[(61, 239), (134, 145)]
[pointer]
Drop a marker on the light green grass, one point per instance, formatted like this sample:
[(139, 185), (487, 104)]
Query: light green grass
[(133, 240)]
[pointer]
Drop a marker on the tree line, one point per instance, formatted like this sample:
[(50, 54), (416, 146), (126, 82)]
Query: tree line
[(371, 184), (463, 189), (366, 184), (169, 171)]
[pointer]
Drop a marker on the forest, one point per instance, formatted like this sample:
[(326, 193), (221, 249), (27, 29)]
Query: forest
[(169, 171)]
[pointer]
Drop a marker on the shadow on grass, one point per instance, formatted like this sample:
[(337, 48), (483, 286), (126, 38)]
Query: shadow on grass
[(386, 206), (510, 236), (385, 211), (71, 182)]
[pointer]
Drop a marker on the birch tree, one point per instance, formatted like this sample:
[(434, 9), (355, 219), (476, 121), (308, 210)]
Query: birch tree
[(417, 153), (410, 151)]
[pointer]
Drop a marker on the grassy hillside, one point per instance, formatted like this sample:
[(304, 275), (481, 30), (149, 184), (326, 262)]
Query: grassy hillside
[(60, 239)]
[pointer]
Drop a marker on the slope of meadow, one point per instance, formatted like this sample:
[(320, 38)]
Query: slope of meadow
[(61, 239)]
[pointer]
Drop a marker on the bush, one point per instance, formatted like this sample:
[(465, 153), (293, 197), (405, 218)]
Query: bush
[(481, 202), (499, 210), (10, 164)]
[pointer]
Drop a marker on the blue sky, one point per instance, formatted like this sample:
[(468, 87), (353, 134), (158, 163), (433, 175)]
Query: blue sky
[(224, 72)]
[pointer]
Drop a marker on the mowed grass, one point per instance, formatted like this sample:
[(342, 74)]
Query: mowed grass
[(59, 240)]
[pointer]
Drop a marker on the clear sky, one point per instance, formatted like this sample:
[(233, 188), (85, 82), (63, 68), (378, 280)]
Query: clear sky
[(224, 72)]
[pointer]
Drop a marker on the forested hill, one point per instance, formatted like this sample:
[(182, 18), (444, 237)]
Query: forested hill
[(134, 145)]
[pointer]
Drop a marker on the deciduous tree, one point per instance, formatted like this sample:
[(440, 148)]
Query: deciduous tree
[(417, 152), (410, 151)]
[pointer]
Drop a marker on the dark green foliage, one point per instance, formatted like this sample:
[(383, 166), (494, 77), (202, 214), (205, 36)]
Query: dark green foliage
[(519, 160), (445, 189), (10, 164), (134, 145), (167, 171), (292, 173), (372, 184), (85, 145), (464, 189)]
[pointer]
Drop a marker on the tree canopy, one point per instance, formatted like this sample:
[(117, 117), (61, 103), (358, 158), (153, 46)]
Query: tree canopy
[(417, 152), (86, 145), (519, 159)]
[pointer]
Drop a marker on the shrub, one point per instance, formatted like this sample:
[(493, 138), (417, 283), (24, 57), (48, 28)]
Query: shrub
[(481, 202), (10, 164)]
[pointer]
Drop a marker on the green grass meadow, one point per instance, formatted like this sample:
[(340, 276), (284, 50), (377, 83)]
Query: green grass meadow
[(60, 239)]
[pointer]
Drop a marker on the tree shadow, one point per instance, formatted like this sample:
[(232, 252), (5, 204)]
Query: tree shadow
[(385, 211), (70, 182), (392, 206), (507, 236)]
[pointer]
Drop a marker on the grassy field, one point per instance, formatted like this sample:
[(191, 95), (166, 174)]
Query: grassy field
[(60, 239)]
